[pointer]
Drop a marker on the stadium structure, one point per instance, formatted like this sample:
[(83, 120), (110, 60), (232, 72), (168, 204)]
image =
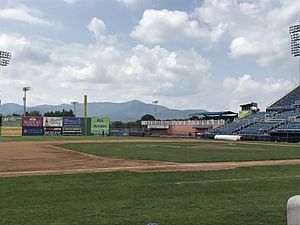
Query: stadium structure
[(280, 121)]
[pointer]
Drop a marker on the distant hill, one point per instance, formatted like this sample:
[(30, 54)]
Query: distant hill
[(127, 111)]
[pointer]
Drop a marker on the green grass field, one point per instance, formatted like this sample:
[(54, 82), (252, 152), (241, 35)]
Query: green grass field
[(242, 196), (183, 152), (254, 195)]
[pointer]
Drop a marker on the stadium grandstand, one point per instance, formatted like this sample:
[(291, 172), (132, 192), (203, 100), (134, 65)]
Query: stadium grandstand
[(280, 121)]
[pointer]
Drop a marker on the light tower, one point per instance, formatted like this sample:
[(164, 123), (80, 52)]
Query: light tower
[(155, 103), (25, 89), (295, 42), (4, 60)]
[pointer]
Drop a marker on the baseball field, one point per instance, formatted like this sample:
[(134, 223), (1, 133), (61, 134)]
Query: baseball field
[(120, 181)]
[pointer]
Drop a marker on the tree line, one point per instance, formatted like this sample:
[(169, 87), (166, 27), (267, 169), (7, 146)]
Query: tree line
[(63, 113)]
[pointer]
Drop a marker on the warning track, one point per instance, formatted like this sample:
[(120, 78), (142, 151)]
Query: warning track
[(43, 158)]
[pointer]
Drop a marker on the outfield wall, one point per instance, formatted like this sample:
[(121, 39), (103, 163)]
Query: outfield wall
[(53, 126)]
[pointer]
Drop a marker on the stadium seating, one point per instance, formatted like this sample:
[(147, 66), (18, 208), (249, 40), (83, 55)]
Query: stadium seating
[(289, 127), (287, 102)]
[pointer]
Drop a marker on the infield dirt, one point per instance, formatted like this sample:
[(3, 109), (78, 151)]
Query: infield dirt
[(44, 158)]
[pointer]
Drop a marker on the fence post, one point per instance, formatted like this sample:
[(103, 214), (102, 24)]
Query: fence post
[(293, 210)]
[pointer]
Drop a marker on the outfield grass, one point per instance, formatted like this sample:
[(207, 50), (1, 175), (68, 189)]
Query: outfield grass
[(183, 152), (244, 196)]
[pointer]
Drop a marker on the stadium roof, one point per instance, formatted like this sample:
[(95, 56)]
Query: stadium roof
[(225, 115), (249, 104), (287, 102)]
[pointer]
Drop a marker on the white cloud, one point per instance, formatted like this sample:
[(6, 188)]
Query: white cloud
[(134, 3), (71, 2), (256, 29), (160, 26), (26, 15), (98, 28), (245, 89), (105, 69), (129, 2), (166, 73)]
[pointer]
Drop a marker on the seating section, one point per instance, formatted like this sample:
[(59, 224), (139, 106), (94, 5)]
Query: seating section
[(238, 126), (263, 127), (232, 128), (283, 116), (259, 124), (286, 102), (289, 115), (289, 127)]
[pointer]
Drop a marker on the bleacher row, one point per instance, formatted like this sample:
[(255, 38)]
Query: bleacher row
[(263, 123), (280, 119)]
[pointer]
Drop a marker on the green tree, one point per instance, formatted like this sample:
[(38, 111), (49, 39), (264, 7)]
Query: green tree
[(194, 118), (117, 124), (63, 113), (147, 117), (33, 113)]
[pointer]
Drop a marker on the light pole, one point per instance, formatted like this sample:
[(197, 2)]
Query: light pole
[(25, 89), (155, 103), (74, 107), (4, 61), (295, 42), (4, 58)]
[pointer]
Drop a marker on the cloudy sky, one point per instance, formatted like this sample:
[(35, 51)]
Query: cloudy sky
[(187, 54)]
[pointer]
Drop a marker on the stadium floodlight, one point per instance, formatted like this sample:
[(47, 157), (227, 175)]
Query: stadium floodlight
[(74, 106), (155, 103), (295, 42), (25, 89), (4, 58)]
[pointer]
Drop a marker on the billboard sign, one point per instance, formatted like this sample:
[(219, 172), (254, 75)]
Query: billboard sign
[(33, 131), (28, 121), (71, 122), (52, 131), (11, 131), (53, 122), (72, 131), (99, 126), (12, 121)]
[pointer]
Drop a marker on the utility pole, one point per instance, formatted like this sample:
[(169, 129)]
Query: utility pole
[(25, 89), (74, 107)]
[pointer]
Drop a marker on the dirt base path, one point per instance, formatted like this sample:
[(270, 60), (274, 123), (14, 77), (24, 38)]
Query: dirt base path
[(43, 158)]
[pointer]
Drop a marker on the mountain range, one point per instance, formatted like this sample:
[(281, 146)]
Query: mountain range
[(126, 111)]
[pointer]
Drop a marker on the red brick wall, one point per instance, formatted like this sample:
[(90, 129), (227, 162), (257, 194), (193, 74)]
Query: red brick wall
[(176, 129)]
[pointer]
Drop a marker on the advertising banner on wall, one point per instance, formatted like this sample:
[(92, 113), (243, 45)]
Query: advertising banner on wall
[(33, 131), (12, 121), (72, 131), (53, 122), (244, 113), (99, 126), (11, 131), (71, 122), (29, 121), (52, 131)]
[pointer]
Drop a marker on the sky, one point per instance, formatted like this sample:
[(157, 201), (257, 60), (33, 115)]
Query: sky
[(186, 54)]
